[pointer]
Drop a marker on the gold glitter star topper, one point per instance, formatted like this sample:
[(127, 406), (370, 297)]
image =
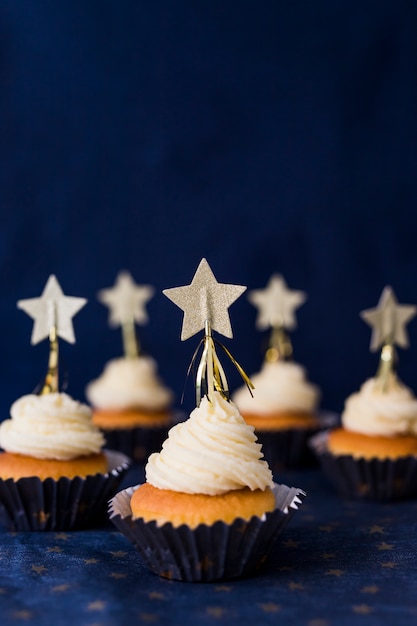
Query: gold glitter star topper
[(126, 302), (206, 303), (53, 313), (276, 310), (388, 321)]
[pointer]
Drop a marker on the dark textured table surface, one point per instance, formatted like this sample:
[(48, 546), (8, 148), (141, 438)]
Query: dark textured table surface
[(338, 562)]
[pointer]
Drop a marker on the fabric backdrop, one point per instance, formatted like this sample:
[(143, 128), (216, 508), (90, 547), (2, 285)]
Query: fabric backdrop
[(266, 136)]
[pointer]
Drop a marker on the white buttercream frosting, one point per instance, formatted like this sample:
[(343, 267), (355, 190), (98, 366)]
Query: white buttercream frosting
[(212, 452), (279, 386), (52, 426), (129, 383), (374, 411)]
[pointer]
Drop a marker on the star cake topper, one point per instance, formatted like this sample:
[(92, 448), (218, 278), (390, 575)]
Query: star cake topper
[(276, 304), (126, 301), (205, 303), (53, 313), (388, 321), (52, 309), (205, 300)]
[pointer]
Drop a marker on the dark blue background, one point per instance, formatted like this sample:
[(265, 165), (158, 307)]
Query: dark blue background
[(266, 136)]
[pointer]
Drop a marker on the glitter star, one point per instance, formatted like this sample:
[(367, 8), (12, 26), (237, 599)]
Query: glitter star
[(335, 572), (276, 304), (62, 536), (39, 569), (376, 530), (97, 605), (118, 554), (205, 299), (215, 611), (63, 587), (388, 320), (25, 615), (362, 609), (52, 309), (269, 607), (385, 546), (370, 589), (126, 300), (290, 543), (293, 586)]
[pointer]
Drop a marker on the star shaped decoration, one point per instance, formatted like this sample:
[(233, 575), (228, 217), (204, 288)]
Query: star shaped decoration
[(126, 300), (388, 320), (205, 300), (276, 304), (53, 308)]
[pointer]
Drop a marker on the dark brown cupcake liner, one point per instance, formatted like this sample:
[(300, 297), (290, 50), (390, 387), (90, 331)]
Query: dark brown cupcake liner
[(289, 448), (367, 479), (206, 553), (32, 504)]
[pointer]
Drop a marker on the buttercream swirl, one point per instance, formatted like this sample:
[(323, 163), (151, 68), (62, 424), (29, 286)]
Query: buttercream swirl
[(279, 386), (212, 452), (52, 426), (373, 411), (129, 383)]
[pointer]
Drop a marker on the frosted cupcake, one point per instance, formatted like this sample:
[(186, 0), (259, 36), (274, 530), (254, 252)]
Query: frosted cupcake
[(54, 474), (131, 404), (284, 406), (209, 509), (374, 454)]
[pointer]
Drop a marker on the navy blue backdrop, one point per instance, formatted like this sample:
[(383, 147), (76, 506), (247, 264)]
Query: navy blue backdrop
[(266, 136)]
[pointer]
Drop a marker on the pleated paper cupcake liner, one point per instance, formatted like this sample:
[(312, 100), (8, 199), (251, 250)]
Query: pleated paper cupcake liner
[(206, 553), (367, 479), (289, 449), (32, 504)]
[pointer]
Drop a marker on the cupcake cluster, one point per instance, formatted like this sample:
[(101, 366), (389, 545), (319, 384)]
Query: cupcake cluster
[(210, 507)]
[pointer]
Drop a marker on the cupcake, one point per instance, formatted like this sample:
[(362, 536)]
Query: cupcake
[(209, 508), (373, 455), (131, 404), (54, 474), (284, 405), (283, 411)]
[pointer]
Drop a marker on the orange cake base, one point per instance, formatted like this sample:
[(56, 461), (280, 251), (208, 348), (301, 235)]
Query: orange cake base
[(162, 505), (343, 441), (129, 418), (281, 421), (20, 466)]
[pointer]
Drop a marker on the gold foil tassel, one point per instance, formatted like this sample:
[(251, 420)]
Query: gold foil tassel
[(130, 340), (51, 384), (210, 373), (280, 346), (387, 364)]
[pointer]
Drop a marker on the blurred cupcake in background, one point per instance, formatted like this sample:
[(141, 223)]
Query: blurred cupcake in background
[(131, 404), (373, 455), (284, 407)]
